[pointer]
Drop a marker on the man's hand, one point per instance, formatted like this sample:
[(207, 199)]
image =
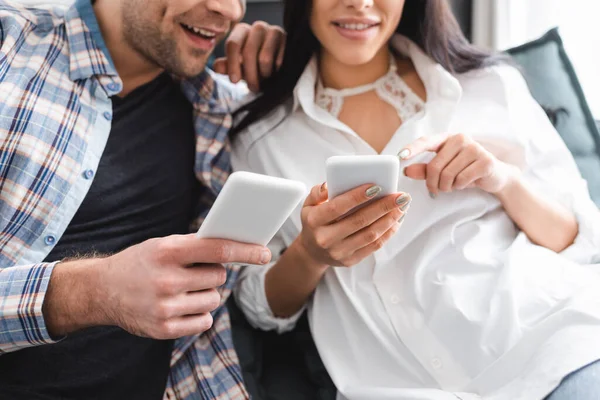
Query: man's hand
[(252, 53), (162, 288)]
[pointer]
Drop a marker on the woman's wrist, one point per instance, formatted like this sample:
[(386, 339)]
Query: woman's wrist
[(290, 282), (304, 258), (511, 188)]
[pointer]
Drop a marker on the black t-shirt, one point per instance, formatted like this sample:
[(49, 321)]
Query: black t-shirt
[(144, 188)]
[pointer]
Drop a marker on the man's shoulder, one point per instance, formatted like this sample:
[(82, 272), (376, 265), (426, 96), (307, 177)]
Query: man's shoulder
[(17, 19), (43, 15), (215, 93)]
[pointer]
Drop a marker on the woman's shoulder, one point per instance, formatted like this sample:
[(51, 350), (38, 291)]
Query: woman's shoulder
[(499, 82), (274, 124), (271, 124)]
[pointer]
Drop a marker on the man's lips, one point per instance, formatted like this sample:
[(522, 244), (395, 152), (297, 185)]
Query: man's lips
[(202, 38), (206, 33)]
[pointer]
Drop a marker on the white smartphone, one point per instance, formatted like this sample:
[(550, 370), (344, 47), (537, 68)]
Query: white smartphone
[(347, 172), (251, 208)]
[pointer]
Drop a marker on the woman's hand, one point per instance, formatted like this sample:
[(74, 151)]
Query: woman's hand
[(460, 163), (330, 238)]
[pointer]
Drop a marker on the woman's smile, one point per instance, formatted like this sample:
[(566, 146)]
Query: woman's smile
[(357, 28)]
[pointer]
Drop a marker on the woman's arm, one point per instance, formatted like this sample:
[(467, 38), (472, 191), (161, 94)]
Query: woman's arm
[(544, 221), (292, 280), (461, 162), (329, 238)]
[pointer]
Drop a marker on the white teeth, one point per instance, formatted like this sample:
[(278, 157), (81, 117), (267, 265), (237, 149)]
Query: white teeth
[(355, 27), (201, 31)]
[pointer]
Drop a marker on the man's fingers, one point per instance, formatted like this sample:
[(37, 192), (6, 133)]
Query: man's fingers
[(281, 51), (194, 303), (269, 51), (250, 54), (188, 325), (421, 145), (189, 250), (233, 51), (220, 65), (203, 277)]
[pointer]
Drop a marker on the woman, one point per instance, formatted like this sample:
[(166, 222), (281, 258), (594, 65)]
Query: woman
[(480, 290)]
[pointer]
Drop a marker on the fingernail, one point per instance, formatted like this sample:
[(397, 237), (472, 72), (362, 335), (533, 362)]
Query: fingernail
[(265, 256), (373, 191), (401, 219), (405, 207), (432, 195), (404, 154), (323, 186), (403, 200), (233, 78)]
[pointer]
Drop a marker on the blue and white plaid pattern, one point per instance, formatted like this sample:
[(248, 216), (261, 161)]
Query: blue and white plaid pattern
[(56, 77)]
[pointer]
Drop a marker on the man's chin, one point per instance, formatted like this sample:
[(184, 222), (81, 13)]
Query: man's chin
[(187, 71), (193, 66), (184, 64)]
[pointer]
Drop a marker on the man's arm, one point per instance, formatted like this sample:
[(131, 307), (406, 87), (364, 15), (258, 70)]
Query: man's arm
[(252, 53), (22, 292), (162, 288)]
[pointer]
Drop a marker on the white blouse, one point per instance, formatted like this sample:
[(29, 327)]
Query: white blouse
[(459, 303)]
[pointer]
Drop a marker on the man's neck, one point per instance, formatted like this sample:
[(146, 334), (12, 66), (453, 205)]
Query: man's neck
[(337, 75), (133, 69)]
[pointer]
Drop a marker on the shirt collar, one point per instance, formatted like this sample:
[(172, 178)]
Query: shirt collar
[(211, 93), (439, 83), (88, 54)]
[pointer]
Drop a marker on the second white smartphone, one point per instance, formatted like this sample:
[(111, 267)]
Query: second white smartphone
[(347, 172), (251, 208)]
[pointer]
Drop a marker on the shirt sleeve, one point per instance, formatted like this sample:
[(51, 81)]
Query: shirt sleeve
[(22, 293), (251, 297), (550, 168)]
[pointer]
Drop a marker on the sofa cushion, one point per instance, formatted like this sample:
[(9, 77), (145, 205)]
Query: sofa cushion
[(554, 84)]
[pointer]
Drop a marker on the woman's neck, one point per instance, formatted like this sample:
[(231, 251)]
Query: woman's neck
[(337, 75)]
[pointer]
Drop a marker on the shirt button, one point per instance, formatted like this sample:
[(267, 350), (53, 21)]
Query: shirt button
[(49, 240), (88, 174), (395, 299), (114, 87), (107, 115), (437, 363)]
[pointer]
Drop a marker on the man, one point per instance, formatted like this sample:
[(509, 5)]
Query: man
[(112, 140)]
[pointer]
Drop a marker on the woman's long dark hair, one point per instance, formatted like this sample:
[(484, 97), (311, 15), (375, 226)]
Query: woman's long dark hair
[(429, 23)]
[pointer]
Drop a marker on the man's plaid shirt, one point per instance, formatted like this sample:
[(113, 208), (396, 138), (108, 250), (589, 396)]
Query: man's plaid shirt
[(56, 79)]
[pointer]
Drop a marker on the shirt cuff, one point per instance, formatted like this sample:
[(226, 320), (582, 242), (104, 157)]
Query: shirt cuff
[(22, 293), (586, 247), (251, 297)]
